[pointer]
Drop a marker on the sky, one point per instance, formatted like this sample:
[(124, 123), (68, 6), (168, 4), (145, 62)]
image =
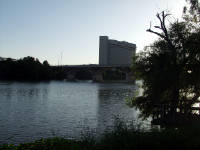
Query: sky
[(67, 31)]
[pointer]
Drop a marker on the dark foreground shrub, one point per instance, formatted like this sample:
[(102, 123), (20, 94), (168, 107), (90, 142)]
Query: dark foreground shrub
[(49, 144), (122, 138)]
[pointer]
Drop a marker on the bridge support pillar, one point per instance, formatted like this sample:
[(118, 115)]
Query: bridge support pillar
[(71, 76), (98, 77)]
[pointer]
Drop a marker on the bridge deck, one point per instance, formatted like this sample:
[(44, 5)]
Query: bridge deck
[(93, 66)]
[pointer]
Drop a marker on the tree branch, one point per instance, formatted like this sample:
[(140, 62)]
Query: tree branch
[(161, 17), (160, 35)]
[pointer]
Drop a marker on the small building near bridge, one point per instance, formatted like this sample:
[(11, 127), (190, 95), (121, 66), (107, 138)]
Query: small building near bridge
[(115, 53)]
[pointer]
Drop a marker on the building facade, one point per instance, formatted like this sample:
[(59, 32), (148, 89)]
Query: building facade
[(115, 53)]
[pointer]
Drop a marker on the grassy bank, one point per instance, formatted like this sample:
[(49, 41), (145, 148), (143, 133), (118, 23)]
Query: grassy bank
[(122, 138)]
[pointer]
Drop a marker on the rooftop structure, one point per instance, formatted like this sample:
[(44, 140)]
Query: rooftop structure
[(115, 53), (2, 59)]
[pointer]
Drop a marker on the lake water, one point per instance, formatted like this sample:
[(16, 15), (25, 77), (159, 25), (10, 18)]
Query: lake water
[(30, 111)]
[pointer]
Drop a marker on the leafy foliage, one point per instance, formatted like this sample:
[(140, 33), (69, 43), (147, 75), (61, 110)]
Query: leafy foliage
[(122, 138), (170, 70), (27, 68), (191, 13)]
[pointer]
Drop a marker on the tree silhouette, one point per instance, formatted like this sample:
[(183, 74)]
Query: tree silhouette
[(27, 68), (170, 70)]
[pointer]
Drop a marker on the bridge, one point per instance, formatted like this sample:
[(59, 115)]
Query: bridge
[(114, 63), (97, 73)]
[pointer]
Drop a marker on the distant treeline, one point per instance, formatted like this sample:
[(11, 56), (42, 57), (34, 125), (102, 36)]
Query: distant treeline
[(28, 68)]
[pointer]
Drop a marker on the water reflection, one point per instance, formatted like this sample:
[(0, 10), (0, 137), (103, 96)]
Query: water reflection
[(29, 111), (112, 105), (20, 106)]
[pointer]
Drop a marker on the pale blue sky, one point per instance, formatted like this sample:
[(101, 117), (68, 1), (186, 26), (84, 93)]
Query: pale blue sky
[(47, 28)]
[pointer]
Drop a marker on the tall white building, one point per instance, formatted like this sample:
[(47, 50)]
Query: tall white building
[(115, 53)]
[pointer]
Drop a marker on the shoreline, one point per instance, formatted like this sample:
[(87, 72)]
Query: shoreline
[(121, 138)]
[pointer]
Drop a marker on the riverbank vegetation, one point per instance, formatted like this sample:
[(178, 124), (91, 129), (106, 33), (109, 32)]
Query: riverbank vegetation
[(170, 69), (121, 138), (28, 68)]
